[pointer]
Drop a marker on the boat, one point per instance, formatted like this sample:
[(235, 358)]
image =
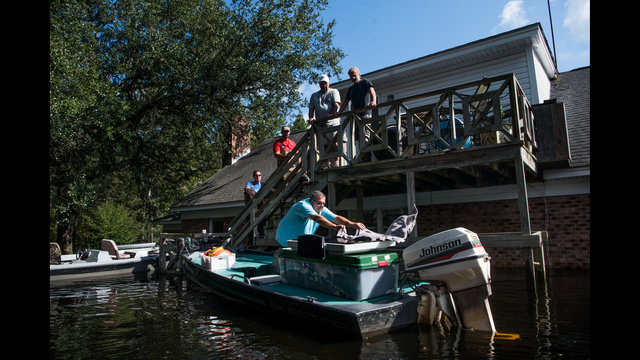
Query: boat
[(111, 260), (355, 290)]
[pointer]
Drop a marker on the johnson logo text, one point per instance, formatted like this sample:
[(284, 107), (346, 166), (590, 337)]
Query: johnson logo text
[(442, 247)]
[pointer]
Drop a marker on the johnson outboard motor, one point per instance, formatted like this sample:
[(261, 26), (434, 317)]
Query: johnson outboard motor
[(458, 267)]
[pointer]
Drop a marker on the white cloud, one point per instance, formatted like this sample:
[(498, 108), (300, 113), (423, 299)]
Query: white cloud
[(513, 16), (577, 19)]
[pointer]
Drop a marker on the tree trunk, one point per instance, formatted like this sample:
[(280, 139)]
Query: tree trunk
[(65, 235)]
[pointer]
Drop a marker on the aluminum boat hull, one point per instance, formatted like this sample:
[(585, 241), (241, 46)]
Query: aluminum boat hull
[(104, 266)]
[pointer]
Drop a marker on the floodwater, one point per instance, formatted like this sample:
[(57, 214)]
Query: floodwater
[(158, 317)]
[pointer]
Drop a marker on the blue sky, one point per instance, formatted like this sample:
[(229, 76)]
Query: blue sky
[(375, 34)]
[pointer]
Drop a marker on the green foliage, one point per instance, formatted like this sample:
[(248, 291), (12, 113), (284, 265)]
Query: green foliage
[(144, 94), (114, 222), (299, 124)]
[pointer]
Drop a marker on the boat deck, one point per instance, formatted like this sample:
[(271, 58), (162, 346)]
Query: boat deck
[(262, 263)]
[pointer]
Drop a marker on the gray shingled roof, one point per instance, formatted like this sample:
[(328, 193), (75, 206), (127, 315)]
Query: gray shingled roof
[(227, 185), (574, 91)]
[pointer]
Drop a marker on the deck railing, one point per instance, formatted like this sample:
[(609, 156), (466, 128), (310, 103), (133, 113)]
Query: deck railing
[(480, 113), (485, 112)]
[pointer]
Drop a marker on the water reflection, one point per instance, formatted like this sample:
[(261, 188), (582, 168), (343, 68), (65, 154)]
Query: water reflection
[(163, 318)]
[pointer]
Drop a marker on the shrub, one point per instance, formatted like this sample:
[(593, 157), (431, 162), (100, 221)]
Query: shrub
[(114, 222)]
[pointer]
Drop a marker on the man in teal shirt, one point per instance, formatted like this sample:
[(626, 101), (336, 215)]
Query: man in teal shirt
[(307, 215)]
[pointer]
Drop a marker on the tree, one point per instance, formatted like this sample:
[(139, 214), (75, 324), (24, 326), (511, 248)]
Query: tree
[(114, 222), (299, 124), (144, 94)]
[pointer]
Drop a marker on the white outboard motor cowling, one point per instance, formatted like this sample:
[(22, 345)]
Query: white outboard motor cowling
[(457, 259)]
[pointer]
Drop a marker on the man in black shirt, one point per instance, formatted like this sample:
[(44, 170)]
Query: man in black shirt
[(357, 93)]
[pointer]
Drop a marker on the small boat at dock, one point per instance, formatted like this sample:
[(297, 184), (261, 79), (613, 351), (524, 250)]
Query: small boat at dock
[(109, 261), (356, 290)]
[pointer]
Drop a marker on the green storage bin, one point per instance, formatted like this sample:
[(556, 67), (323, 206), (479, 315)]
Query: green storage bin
[(353, 276)]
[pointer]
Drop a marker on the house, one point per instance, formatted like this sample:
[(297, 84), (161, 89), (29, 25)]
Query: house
[(549, 193)]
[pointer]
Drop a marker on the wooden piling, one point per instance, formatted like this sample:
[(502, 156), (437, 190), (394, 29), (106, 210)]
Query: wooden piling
[(173, 252), (533, 245)]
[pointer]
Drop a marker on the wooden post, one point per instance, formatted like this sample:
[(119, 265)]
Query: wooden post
[(359, 201), (252, 221), (533, 242), (523, 205), (162, 260), (179, 250), (523, 201), (312, 155), (174, 252), (541, 266), (331, 200)]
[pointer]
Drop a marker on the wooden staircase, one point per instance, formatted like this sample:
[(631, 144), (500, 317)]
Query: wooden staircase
[(281, 191)]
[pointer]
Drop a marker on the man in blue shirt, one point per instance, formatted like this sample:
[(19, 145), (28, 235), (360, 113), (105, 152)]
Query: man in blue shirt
[(307, 215), (250, 190), (252, 187)]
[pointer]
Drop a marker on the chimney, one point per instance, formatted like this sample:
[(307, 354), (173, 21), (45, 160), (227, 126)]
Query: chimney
[(240, 143)]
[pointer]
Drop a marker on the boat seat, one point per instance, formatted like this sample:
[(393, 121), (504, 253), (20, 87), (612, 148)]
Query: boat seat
[(266, 279), (112, 248), (55, 257)]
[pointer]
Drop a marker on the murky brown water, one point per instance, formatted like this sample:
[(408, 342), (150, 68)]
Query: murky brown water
[(159, 318)]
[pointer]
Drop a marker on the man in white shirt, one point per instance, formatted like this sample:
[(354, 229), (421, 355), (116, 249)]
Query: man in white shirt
[(324, 103)]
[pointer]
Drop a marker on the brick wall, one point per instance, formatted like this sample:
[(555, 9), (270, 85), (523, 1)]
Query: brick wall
[(195, 225), (566, 219)]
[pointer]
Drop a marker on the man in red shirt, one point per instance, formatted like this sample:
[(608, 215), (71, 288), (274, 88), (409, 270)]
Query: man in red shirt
[(283, 145), (281, 149)]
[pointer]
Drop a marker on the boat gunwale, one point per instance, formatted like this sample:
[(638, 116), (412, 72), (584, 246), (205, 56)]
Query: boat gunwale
[(352, 318), (321, 299)]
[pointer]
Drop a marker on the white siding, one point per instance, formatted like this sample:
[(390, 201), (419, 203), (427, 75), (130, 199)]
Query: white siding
[(515, 52), (517, 63), (456, 75), (542, 82)]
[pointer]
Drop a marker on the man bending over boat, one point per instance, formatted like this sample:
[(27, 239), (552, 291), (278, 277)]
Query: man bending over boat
[(307, 215)]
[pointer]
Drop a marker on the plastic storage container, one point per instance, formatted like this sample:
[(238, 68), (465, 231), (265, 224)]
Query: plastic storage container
[(220, 262), (353, 276)]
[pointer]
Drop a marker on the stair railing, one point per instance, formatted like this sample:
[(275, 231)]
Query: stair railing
[(264, 204)]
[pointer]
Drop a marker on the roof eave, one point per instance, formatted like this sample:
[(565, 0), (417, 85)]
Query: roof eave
[(530, 35), (217, 206)]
